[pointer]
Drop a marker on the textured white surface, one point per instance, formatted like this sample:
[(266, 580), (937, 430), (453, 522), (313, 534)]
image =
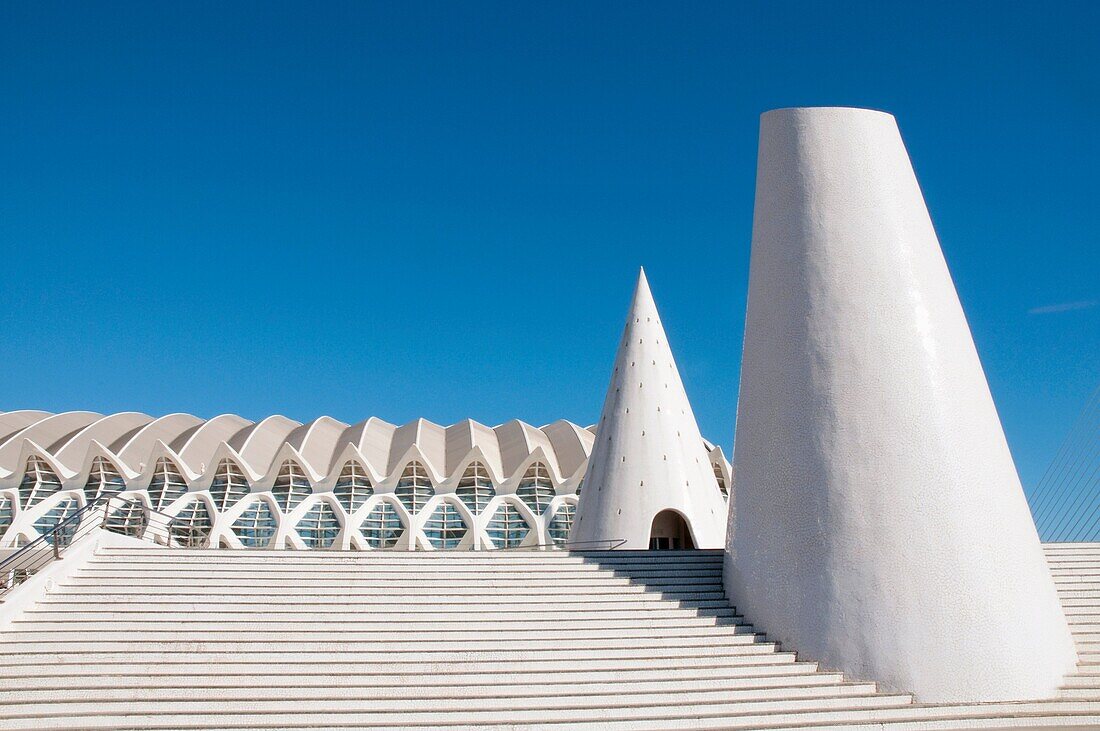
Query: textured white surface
[(648, 455), (880, 526)]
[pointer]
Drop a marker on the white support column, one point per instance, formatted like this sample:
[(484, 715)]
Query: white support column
[(880, 525), (648, 455)]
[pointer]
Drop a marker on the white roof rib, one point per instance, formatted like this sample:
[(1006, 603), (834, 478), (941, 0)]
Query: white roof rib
[(134, 441), (373, 438), (15, 421), (134, 449), (200, 446), (258, 444), (317, 441), (463, 438), (430, 440), (572, 445), (104, 431), (515, 446), (46, 431)]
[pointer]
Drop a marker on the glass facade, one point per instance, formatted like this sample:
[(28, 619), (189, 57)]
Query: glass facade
[(353, 486), (38, 483), (535, 488), (192, 523), (475, 488), (382, 527), (507, 528), (414, 488), (229, 485), (445, 527), (7, 513), (167, 484), (128, 518), (721, 481), (256, 525), (320, 526), (104, 480), (291, 486), (55, 515), (561, 522)]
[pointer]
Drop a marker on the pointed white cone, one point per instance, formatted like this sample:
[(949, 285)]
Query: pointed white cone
[(648, 456), (880, 526)]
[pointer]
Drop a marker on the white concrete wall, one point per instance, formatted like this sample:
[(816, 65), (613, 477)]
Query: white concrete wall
[(880, 526), (648, 455)]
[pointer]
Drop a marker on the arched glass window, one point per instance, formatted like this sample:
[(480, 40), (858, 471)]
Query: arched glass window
[(319, 527), (256, 525), (39, 482), (475, 488), (229, 485), (535, 488), (7, 513), (562, 522), (103, 481), (54, 517), (721, 481), (192, 524), (507, 528), (291, 486), (128, 517), (353, 487), (382, 527), (445, 527), (414, 488), (167, 484)]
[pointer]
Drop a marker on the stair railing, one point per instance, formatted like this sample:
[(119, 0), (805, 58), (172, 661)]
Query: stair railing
[(605, 544), (117, 513)]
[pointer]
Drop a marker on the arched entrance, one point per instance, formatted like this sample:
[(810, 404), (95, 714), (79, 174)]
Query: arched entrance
[(669, 531)]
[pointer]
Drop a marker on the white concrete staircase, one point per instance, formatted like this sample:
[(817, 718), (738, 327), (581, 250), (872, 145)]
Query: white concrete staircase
[(152, 638)]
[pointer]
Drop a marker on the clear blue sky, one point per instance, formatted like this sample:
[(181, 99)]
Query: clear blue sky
[(438, 210)]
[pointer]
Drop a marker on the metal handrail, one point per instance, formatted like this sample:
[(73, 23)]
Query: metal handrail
[(611, 543), (31, 558)]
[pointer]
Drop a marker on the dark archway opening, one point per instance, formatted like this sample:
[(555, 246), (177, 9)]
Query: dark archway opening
[(670, 531)]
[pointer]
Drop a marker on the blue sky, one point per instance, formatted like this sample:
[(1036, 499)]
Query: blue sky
[(438, 209)]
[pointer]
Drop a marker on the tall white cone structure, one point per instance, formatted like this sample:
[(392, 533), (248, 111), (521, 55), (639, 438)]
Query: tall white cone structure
[(880, 526), (648, 456)]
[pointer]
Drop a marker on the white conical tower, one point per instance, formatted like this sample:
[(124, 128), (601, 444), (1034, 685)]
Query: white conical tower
[(880, 526), (648, 456)]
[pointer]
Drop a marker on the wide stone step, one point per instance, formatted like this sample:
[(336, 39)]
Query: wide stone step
[(516, 631), (411, 712), (424, 662), (444, 578), (650, 620), (123, 606), (486, 592), (458, 685), (532, 582), (24, 702), (540, 558), (371, 648), (59, 670), (350, 639), (485, 566)]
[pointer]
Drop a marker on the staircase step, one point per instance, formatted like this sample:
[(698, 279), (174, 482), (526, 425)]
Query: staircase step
[(458, 684), (443, 699), (413, 674), (410, 712)]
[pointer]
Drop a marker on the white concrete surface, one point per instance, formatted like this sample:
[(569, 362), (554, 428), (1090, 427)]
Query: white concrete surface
[(142, 637), (880, 526), (132, 445), (648, 456)]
